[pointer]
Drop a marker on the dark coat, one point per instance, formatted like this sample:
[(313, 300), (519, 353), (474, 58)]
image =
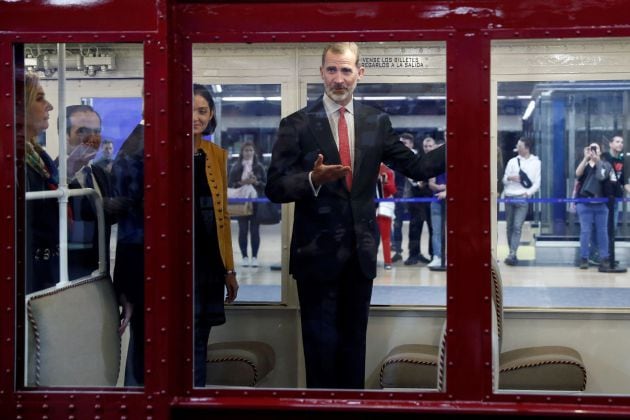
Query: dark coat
[(236, 172), (326, 228), (42, 231), (83, 262), (128, 189)]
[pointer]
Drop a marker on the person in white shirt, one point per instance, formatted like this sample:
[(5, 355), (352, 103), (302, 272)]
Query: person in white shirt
[(521, 181)]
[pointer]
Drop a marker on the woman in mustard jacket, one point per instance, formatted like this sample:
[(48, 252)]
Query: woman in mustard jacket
[(215, 278)]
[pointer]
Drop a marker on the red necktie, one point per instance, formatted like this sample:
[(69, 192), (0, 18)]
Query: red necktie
[(344, 145)]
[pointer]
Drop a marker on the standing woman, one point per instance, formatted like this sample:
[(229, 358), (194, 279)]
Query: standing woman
[(42, 215), (214, 263), (248, 171)]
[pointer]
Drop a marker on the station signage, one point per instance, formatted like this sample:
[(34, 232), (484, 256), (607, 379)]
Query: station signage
[(393, 61)]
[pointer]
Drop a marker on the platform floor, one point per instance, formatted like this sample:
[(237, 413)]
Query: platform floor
[(530, 284)]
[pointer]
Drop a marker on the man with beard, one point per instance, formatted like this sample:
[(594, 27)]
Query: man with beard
[(326, 159)]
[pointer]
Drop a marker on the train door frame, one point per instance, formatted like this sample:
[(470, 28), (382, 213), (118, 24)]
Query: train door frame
[(466, 96)]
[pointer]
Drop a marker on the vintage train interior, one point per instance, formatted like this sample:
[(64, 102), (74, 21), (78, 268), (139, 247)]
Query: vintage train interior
[(463, 321)]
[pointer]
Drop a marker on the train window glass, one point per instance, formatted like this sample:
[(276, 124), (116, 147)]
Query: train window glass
[(80, 189), (412, 274), (562, 234), (247, 117), (253, 87)]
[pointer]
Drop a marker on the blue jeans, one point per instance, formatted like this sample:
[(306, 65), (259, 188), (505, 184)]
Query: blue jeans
[(593, 215), (515, 214), (436, 223)]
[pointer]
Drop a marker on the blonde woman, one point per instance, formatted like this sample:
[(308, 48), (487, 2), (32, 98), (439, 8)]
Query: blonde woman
[(42, 220)]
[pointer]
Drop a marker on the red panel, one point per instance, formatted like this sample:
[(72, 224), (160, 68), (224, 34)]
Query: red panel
[(468, 213), (7, 220), (78, 15), (399, 20)]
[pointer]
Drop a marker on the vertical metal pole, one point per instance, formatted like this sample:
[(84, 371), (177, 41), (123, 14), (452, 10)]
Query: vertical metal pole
[(63, 181)]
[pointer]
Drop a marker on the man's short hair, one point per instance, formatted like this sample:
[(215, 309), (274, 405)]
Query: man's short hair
[(104, 142), (340, 48), (73, 109), (407, 136)]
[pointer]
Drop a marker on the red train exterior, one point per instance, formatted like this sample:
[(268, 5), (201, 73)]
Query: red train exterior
[(167, 28)]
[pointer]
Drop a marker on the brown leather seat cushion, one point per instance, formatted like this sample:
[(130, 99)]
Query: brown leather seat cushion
[(542, 368), (239, 363), (410, 366)]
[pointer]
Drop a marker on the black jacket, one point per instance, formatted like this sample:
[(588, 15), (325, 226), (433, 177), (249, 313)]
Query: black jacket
[(327, 228)]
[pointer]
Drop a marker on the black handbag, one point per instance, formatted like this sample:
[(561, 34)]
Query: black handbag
[(525, 181), (268, 213)]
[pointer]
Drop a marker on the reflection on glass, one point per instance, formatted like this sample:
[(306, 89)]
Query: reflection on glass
[(95, 184), (418, 115), (248, 118), (326, 161), (401, 94), (561, 124)]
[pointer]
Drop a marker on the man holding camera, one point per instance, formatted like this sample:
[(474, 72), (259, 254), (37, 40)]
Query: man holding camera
[(521, 181)]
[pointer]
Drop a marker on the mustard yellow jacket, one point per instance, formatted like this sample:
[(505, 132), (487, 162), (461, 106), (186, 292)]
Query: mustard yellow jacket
[(216, 173)]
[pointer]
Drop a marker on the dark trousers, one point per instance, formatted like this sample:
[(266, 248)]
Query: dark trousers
[(334, 314), (129, 279), (209, 290), (418, 214), (134, 368), (245, 226), (399, 214), (202, 334)]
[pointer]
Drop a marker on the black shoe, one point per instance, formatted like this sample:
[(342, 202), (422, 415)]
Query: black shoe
[(423, 259), (584, 264), (604, 265), (387, 266), (511, 260), (397, 257), (411, 261)]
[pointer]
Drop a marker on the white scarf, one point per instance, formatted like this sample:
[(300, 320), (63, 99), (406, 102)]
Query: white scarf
[(247, 168)]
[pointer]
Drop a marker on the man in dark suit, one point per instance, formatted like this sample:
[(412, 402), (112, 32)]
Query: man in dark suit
[(326, 160)]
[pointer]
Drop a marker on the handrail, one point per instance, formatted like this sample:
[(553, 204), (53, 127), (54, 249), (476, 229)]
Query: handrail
[(62, 194)]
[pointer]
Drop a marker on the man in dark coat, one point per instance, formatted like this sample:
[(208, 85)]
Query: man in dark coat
[(326, 160)]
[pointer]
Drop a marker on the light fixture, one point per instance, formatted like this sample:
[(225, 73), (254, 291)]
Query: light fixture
[(89, 60), (529, 110), (243, 98)]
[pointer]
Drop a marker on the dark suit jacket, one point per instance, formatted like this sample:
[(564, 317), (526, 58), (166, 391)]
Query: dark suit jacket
[(327, 228), (83, 262), (128, 189)]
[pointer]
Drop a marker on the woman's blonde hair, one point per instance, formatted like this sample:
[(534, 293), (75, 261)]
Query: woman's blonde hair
[(31, 83)]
